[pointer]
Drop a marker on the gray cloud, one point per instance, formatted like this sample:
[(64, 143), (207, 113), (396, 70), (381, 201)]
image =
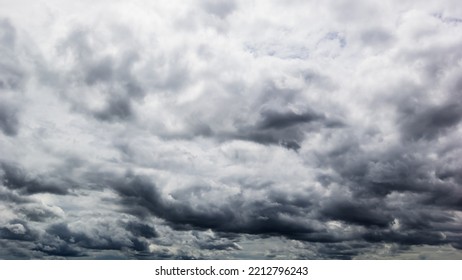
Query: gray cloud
[(16, 178), (219, 8), (9, 122), (11, 74), (18, 230), (353, 213), (432, 122), (12, 79), (216, 130), (276, 120)]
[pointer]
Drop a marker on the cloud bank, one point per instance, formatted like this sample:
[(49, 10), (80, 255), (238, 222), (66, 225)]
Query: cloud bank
[(230, 129)]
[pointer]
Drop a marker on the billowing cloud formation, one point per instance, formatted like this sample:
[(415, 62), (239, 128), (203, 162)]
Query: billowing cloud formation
[(231, 129)]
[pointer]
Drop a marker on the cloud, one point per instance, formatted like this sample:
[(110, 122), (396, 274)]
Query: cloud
[(11, 73), (219, 8), (223, 129), (432, 122), (8, 119), (40, 213), (15, 178), (12, 79), (357, 214), (139, 229), (18, 230), (140, 196), (277, 120)]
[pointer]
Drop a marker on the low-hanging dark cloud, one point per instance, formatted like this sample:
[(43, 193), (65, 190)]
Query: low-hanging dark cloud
[(15, 178)]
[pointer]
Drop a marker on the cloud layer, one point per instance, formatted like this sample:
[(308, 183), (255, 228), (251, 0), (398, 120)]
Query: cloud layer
[(230, 129)]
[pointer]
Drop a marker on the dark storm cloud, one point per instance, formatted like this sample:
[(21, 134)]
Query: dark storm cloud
[(63, 232), (372, 177), (342, 251), (424, 219), (456, 240), (139, 196), (140, 229), (450, 173), (60, 240), (219, 246), (286, 128), (448, 197), (401, 174), (280, 120), (376, 175), (18, 230), (289, 138), (57, 247), (398, 170), (16, 178), (276, 217), (432, 122), (407, 238), (357, 213), (11, 249), (100, 239)]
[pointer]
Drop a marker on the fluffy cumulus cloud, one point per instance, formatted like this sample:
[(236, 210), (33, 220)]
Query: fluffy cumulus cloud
[(230, 129)]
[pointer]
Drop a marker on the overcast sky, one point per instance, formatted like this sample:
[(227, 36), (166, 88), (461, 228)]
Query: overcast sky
[(231, 129)]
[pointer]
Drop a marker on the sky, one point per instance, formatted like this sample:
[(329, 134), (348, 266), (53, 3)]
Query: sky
[(237, 129)]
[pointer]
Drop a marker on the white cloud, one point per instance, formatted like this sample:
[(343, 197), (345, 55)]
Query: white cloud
[(279, 115)]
